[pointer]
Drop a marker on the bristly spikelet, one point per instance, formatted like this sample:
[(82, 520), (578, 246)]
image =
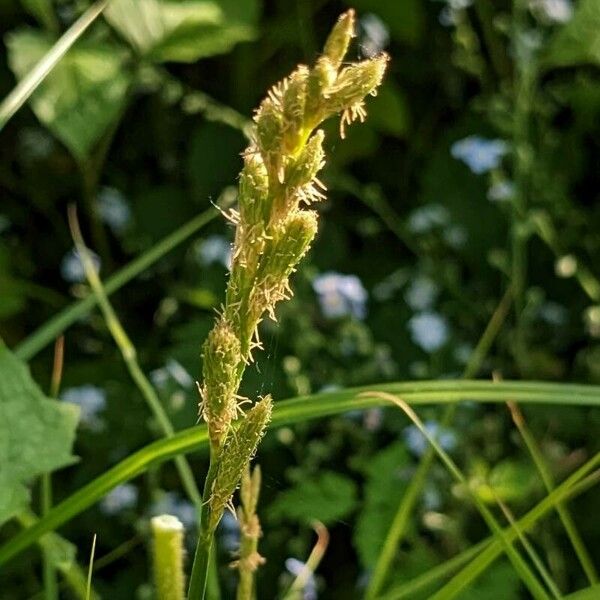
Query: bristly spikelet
[(236, 455), (273, 232), (222, 355)]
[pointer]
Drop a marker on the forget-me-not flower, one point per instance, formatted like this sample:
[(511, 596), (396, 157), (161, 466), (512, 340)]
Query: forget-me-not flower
[(421, 293), (417, 443), (501, 191), (552, 11), (121, 498), (170, 503), (215, 249), (113, 209), (428, 217), (479, 154), (374, 35), (428, 330), (72, 269), (228, 532), (341, 295), (91, 401), (295, 567)]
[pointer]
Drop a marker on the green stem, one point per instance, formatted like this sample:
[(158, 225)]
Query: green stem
[(49, 572), (405, 508), (198, 578), (167, 533)]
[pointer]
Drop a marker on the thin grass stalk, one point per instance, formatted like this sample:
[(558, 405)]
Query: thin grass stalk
[(531, 551), (129, 354), (299, 410), (23, 90), (585, 560), (47, 332), (525, 573), (401, 519)]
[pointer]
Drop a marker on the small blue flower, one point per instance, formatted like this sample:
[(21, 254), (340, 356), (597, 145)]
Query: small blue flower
[(428, 330), (215, 249), (71, 267), (501, 191), (374, 35), (170, 503), (113, 209), (91, 400), (341, 295), (296, 567), (417, 443), (552, 11), (228, 532), (421, 293), (479, 154), (123, 497), (428, 217)]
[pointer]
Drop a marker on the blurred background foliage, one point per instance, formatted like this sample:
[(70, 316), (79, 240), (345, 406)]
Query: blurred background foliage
[(487, 107)]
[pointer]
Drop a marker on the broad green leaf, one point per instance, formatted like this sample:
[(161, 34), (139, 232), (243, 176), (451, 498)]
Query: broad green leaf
[(590, 593), (183, 31), (36, 433), (82, 96), (507, 481), (578, 42), (43, 11), (384, 488), (326, 498)]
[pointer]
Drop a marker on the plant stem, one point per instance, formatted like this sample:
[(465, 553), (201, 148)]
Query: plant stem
[(413, 491), (29, 347), (198, 578)]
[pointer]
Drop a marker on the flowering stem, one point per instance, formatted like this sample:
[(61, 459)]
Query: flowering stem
[(167, 532)]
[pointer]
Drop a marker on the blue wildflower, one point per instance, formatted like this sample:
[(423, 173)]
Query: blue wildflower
[(113, 209), (428, 217), (374, 35), (296, 567), (170, 503), (228, 532), (71, 267), (421, 293), (215, 249), (123, 497), (479, 154), (91, 401), (501, 191), (428, 330), (417, 443), (341, 295)]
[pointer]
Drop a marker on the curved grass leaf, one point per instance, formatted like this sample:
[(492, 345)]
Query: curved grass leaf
[(306, 408)]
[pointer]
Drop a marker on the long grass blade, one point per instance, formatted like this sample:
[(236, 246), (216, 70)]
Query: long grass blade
[(297, 410), (23, 90)]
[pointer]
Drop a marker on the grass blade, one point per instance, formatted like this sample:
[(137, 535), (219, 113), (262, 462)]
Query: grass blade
[(304, 408), (565, 516), (23, 90), (522, 568)]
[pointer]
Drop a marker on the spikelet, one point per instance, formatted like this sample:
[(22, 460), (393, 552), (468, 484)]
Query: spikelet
[(236, 455)]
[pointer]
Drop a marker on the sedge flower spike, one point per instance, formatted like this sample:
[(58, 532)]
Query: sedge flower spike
[(275, 227)]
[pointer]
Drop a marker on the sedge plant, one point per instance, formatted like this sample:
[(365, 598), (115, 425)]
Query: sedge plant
[(274, 228)]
